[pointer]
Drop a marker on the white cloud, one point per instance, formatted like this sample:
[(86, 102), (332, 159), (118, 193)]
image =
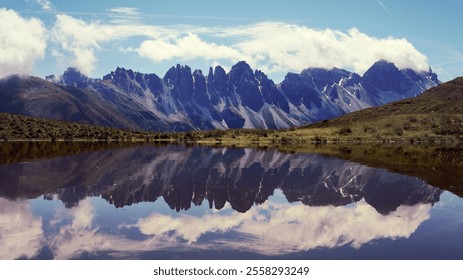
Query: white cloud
[(129, 11), (21, 233), (22, 42), (124, 15), (285, 47), (186, 47), (80, 40), (45, 4), (273, 47)]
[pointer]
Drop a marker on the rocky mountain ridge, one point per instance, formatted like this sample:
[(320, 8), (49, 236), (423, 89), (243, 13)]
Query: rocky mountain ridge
[(189, 100)]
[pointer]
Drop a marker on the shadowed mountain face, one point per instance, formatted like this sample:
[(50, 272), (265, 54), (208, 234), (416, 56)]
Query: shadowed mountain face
[(192, 176), (35, 97), (188, 100)]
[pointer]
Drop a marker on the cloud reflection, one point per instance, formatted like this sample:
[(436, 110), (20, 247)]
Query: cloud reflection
[(270, 229), (21, 232), (80, 235), (191, 228), (281, 228), (298, 228)]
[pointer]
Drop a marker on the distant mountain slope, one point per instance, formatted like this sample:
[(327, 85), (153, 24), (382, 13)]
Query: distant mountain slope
[(32, 96), (184, 100), (445, 99), (36, 97)]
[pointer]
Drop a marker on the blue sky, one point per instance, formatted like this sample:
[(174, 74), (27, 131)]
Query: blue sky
[(41, 37)]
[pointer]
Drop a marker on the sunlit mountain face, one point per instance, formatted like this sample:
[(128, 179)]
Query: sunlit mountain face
[(180, 202)]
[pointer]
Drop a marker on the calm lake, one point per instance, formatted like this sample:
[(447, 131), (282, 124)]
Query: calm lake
[(177, 202)]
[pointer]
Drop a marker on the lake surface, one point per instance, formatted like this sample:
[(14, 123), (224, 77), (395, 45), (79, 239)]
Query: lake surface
[(177, 202)]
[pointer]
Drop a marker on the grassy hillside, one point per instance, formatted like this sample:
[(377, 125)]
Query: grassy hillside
[(17, 127)]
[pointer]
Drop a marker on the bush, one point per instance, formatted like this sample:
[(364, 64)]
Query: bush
[(345, 131), (398, 131)]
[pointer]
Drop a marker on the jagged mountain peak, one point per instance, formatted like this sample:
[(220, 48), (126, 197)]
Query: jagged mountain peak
[(179, 68), (243, 97), (382, 67), (176, 73), (123, 71), (241, 66), (321, 71), (323, 77), (72, 70), (241, 70), (219, 72), (119, 73), (198, 72), (385, 76), (73, 77)]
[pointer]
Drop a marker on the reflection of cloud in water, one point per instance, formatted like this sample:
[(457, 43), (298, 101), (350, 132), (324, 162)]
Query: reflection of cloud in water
[(190, 228), (83, 216), (296, 227), (20, 232), (271, 228), (78, 236), (82, 236), (282, 228)]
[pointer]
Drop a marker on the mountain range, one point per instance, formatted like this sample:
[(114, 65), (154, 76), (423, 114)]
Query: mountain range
[(189, 100)]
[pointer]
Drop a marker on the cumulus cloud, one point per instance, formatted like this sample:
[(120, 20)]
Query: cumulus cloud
[(190, 46), (22, 42), (270, 46), (80, 40), (285, 47)]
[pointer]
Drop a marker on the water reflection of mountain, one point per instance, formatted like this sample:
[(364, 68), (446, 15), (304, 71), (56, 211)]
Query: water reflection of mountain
[(182, 176)]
